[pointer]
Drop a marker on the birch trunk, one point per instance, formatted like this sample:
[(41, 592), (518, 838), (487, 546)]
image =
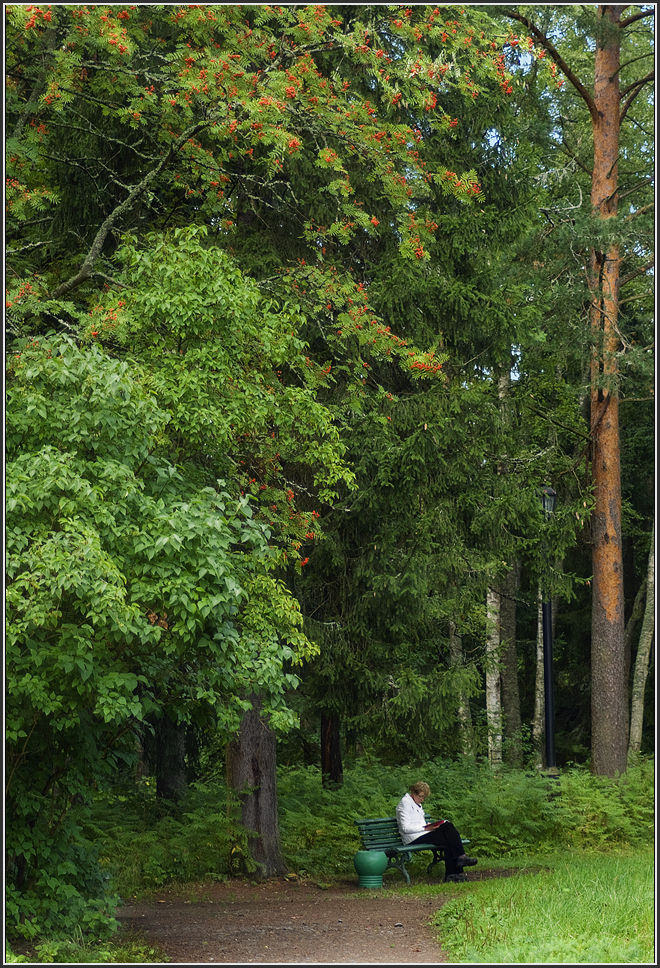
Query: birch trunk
[(509, 670), (493, 698), (538, 726), (642, 658)]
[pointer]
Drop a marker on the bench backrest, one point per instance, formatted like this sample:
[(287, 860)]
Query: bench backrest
[(379, 833)]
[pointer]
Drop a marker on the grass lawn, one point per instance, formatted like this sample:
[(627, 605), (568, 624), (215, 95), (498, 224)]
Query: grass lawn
[(580, 908)]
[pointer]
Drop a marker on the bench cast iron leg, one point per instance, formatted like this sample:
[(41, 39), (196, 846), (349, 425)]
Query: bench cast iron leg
[(398, 861)]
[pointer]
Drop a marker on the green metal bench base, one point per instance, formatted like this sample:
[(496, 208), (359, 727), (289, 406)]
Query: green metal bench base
[(383, 834)]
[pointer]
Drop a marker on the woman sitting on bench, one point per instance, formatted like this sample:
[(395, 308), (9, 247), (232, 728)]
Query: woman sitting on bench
[(414, 830)]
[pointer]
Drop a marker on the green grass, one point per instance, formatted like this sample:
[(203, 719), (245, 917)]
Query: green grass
[(588, 908)]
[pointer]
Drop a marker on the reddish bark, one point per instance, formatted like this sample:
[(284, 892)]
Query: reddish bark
[(609, 705)]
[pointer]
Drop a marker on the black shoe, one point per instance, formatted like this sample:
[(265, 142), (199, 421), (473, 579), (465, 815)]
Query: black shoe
[(466, 861), (455, 878)]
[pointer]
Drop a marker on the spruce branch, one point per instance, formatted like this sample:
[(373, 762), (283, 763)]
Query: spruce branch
[(636, 272)]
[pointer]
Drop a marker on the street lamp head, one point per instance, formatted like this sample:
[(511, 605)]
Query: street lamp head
[(548, 497)]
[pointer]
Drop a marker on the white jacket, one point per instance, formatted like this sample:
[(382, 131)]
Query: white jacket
[(410, 819)]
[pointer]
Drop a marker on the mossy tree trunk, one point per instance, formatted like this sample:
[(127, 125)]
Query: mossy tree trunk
[(251, 772)]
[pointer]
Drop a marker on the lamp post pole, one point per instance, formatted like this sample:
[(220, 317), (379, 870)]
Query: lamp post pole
[(548, 497)]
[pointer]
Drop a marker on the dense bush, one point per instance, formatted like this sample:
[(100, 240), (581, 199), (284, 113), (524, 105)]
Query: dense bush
[(146, 845), (69, 891), (500, 813)]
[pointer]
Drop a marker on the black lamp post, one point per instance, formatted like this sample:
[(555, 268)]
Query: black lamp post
[(548, 496)]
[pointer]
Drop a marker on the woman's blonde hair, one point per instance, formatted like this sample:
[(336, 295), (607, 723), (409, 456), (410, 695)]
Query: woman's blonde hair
[(420, 788)]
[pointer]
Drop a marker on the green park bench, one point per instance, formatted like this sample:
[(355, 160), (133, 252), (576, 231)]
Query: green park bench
[(383, 834)]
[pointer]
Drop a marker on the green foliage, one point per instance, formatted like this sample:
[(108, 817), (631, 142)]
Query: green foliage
[(591, 813), (79, 949), (66, 890), (588, 909), (156, 843), (512, 813), (294, 251), (132, 585)]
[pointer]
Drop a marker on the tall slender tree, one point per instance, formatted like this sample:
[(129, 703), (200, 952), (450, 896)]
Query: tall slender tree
[(609, 103)]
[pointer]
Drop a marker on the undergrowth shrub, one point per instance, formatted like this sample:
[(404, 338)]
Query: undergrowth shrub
[(504, 812), (596, 811), (65, 889), (147, 844)]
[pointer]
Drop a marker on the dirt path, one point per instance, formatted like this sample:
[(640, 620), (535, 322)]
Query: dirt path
[(287, 922)]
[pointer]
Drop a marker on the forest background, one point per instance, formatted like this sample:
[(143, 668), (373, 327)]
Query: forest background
[(306, 305)]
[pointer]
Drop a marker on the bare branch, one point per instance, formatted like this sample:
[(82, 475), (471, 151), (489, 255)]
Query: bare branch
[(557, 58), (634, 91), (636, 16), (636, 272), (87, 267), (566, 148), (635, 188), (642, 80), (639, 211), (109, 279)]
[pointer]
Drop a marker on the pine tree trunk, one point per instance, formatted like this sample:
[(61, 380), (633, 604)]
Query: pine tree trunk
[(170, 758), (456, 660), (538, 726), (509, 670), (493, 699), (642, 658), (251, 771), (332, 773), (609, 700)]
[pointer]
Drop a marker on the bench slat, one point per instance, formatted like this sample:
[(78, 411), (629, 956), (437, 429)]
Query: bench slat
[(382, 833)]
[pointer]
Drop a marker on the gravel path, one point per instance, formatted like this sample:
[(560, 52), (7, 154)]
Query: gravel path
[(287, 922)]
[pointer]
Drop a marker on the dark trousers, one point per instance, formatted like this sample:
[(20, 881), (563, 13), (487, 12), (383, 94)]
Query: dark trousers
[(447, 836)]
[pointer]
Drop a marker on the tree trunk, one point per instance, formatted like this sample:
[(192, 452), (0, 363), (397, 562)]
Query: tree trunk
[(635, 618), (509, 670), (538, 726), (493, 699), (642, 658), (170, 758), (609, 701), (464, 718), (251, 772), (332, 773)]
